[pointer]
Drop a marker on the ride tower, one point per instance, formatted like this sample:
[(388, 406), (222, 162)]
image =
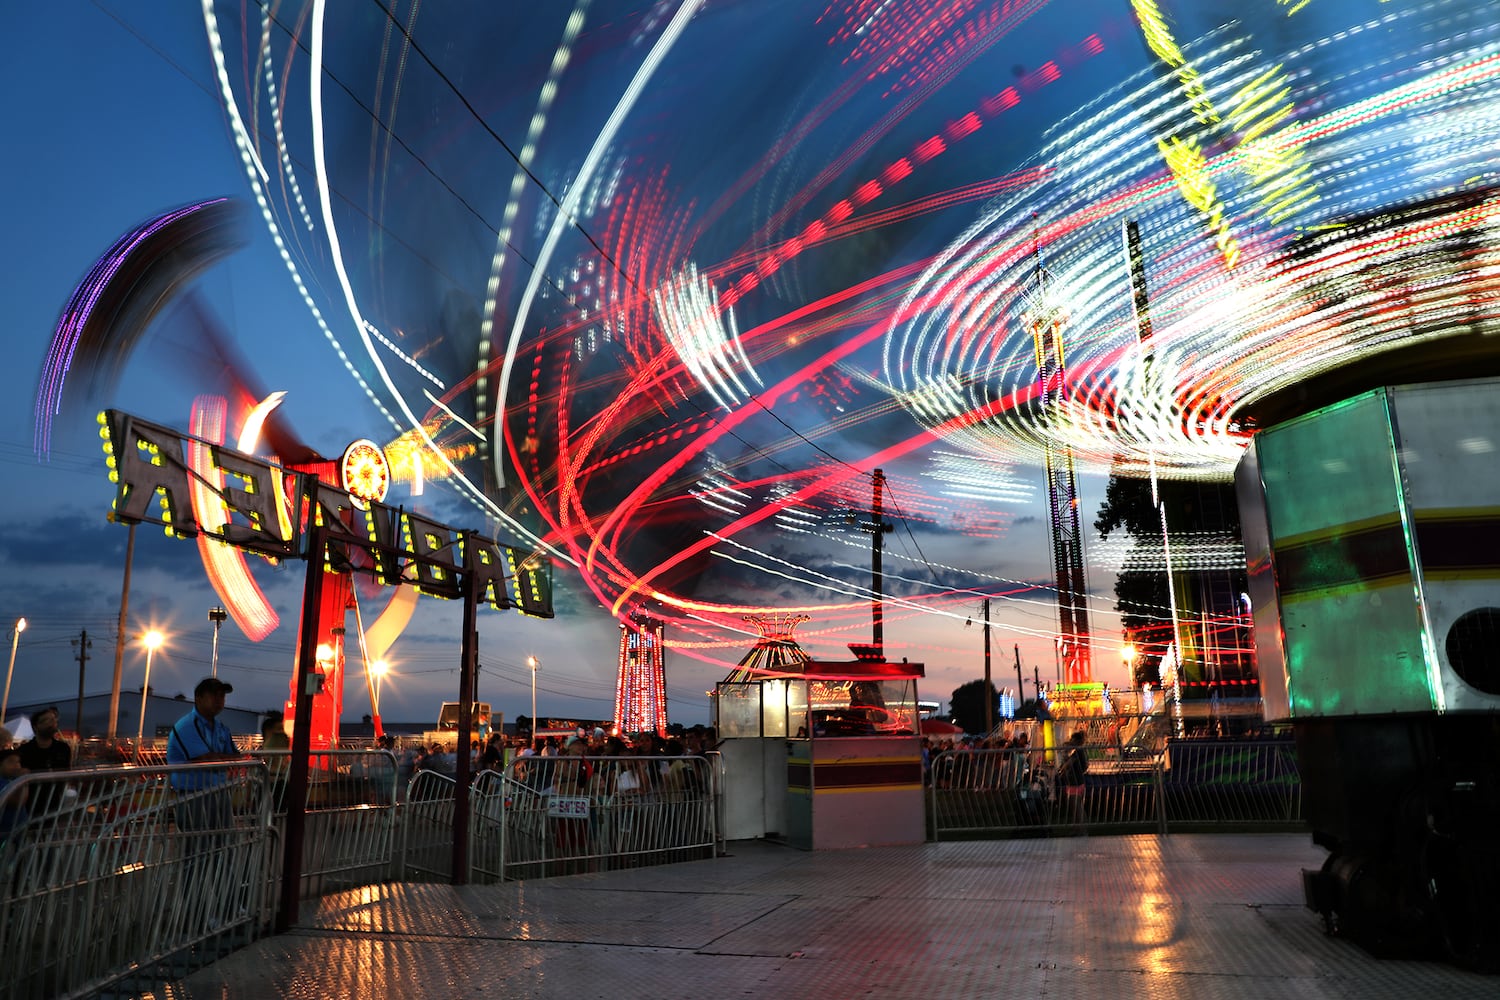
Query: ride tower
[(1044, 319), (641, 690)]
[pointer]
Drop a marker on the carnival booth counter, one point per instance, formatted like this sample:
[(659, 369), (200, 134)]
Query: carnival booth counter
[(819, 753), (855, 778)]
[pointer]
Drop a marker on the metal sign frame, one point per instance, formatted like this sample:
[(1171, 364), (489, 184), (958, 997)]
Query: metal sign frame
[(287, 513)]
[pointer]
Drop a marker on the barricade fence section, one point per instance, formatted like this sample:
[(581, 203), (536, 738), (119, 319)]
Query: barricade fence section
[(1189, 785), (508, 824), (123, 878), (547, 816), (427, 829), (716, 777), (349, 833), (1246, 785), (573, 814)]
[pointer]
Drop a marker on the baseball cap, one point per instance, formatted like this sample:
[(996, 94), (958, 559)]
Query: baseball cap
[(212, 685)]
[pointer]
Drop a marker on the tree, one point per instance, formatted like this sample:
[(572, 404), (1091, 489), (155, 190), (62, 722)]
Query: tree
[(966, 705), (1028, 708), (1142, 598)]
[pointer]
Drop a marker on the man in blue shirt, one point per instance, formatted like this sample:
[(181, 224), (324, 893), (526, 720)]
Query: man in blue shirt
[(198, 737)]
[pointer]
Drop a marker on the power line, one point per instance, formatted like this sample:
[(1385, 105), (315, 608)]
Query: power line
[(479, 119)]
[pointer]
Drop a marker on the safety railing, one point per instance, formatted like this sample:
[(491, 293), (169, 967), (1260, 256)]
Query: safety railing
[(426, 853), (349, 830), (1198, 785), (1247, 785), (124, 878), (717, 783), (503, 816), (562, 815), (603, 813)]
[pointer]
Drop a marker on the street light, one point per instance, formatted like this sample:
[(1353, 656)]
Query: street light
[(378, 670), (217, 615), (152, 639), (15, 639), (534, 665)]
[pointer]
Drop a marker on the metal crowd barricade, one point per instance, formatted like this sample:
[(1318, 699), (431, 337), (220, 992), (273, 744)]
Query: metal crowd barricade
[(507, 827), (427, 829), (998, 790), (496, 804), (1249, 784), (547, 816), (112, 879), (349, 831), (1199, 785), (716, 777), (570, 814)]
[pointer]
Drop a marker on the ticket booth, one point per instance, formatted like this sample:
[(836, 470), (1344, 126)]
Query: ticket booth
[(751, 714), (854, 756), (820, 754)]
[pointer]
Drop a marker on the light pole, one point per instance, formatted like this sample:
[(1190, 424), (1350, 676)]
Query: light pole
[(534, 665), (152, 639), (216, 615), (15, 640)]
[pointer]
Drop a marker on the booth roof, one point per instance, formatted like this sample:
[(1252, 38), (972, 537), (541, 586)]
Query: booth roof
[(862, 670)]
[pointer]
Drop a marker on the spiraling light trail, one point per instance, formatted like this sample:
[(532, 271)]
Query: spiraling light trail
[(704, 337), (224, 564), (701, 379), (560, 60), (565, 214), (963, 308)]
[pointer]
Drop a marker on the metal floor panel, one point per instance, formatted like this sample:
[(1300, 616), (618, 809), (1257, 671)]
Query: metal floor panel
[(1200, 916)]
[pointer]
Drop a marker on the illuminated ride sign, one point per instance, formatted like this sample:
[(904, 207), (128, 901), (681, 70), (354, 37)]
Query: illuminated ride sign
[(365, 473), (147, 462)]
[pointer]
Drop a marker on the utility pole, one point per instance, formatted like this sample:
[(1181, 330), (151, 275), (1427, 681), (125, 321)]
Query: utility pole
[(878, 529), (82, 644), (217, 616), (1020, 683), (989, 688)]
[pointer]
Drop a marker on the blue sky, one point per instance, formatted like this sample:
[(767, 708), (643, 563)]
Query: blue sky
[(120, 123)]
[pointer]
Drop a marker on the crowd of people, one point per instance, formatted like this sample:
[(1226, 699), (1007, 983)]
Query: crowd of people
[(535, 763)]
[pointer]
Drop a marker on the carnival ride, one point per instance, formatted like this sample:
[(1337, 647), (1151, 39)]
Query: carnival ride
[(658, 288), (677, 381)]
